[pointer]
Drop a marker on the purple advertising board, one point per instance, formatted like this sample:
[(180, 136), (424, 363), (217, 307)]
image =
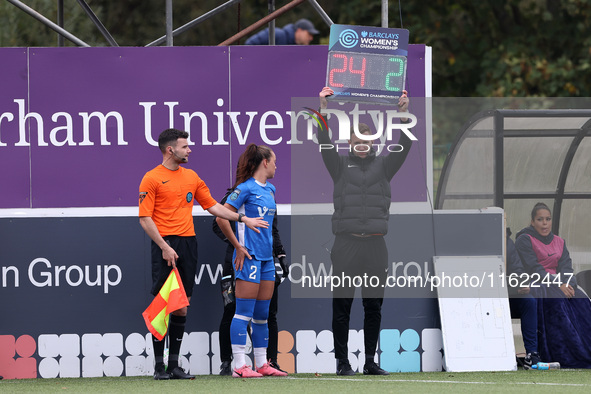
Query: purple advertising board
[(118, 101), (78, 126), (14, 159)]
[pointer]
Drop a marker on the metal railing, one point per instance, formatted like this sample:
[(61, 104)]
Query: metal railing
[(170, 33)]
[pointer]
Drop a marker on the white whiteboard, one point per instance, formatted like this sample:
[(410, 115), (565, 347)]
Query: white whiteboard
[(475, 316)]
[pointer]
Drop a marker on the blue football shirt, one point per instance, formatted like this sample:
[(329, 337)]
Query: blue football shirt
[(255, 199)]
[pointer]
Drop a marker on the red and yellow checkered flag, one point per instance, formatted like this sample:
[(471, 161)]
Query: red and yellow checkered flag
[(171, 297)]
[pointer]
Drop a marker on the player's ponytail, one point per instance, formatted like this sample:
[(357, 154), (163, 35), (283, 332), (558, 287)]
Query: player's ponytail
[(249, 161)]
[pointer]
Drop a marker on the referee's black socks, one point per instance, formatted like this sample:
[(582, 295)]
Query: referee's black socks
[(158, 352), (175, 336)]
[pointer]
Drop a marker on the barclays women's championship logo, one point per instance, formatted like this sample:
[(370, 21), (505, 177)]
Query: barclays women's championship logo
[(348, 38)]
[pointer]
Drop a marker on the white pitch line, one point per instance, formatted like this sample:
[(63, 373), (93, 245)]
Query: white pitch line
[(439, 381)]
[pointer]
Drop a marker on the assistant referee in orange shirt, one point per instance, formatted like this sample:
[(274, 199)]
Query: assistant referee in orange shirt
[(165, 209)]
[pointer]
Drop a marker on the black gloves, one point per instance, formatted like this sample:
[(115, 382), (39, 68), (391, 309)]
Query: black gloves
[(284, 266)]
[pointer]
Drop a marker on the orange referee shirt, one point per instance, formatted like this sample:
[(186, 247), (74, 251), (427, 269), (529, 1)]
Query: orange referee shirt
[(167, 197)]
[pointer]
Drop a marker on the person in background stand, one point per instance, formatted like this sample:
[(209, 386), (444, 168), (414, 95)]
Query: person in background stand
[(361, 200), (228, 291), (166, 198), (300, 33)]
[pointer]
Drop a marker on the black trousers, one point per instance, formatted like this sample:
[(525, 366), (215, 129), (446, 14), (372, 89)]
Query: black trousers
[(365, 262)]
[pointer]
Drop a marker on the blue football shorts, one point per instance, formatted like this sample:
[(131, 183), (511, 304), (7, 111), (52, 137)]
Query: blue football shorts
[(256, 270)]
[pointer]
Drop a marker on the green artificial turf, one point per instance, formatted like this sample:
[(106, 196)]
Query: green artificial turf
[(572, 381)]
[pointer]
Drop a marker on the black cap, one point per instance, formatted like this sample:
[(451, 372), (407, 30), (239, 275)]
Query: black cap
[(305, 24)]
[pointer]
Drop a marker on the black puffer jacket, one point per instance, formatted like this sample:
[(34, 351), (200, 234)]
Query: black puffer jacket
[(362, 187)]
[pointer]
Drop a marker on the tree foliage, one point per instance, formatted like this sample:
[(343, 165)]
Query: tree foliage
[(506, 48)]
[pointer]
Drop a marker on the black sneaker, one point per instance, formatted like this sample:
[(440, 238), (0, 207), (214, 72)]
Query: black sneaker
[(160, 373), (344, 368), (531, 359), (371, 368), (226, 368), (273, 364), (179, 373)]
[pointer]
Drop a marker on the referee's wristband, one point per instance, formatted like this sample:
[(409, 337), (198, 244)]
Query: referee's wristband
[(240, 216)]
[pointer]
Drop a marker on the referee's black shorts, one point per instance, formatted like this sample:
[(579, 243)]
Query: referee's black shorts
[(186, 248)]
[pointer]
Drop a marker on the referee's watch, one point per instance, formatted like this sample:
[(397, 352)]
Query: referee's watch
[(240, 216)]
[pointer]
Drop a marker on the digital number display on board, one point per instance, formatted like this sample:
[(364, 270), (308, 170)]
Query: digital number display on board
[(367, 64), (366, 71)]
